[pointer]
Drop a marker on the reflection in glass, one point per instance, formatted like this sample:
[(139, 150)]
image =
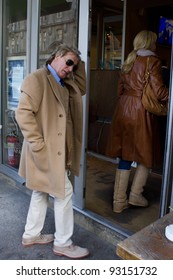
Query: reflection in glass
[(58, 24), (14, 65)]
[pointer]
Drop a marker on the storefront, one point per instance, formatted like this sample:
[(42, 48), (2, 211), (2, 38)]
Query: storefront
[(30, 31)]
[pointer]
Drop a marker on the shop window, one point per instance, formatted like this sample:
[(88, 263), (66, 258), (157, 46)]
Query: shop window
[(58, 24), (14, 71)]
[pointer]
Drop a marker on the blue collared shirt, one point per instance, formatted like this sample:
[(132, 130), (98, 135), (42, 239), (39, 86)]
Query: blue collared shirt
[(57, 78)]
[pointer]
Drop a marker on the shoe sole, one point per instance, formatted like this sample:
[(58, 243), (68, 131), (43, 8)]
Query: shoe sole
[(119, 211), (36, 243), (136, 204), (68, 256)]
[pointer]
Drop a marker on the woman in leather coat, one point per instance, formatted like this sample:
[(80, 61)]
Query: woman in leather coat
[(132, 130)]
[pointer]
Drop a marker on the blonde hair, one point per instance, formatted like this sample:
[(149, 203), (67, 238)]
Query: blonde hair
[(145, 39), (62, 50)]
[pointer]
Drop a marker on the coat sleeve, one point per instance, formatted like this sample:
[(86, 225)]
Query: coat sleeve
[(156, 80), (120, 85), (26, 113), (78, 78)]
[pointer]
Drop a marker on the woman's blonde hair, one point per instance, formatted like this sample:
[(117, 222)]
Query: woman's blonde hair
[(145, 39)]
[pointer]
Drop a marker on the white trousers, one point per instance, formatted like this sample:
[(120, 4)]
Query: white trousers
[(63, 213)]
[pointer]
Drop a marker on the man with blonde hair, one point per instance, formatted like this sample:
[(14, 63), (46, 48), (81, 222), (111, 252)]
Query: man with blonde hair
[(50, 117)]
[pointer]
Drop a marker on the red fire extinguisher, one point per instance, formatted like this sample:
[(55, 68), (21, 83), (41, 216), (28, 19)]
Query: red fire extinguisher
[(13, 149)]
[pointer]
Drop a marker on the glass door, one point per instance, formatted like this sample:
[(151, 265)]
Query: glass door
[(112, 52)]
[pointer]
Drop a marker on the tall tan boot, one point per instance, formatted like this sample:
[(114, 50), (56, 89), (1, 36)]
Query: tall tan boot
[(120, 201), (136, 198)]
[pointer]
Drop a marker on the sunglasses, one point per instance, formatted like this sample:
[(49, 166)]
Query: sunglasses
[(70, 62)]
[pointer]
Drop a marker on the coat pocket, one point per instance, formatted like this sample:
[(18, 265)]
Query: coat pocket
[(40, 159)]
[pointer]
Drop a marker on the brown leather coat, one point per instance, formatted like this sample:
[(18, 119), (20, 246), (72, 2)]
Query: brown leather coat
[(50, 118), (133, 129)]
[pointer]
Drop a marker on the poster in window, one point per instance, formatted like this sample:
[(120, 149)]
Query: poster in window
[(16, 73)]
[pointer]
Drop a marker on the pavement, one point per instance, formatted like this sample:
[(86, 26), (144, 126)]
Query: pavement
[(14, 203)]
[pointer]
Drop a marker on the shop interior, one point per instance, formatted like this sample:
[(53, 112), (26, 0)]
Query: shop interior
[(106, 55)]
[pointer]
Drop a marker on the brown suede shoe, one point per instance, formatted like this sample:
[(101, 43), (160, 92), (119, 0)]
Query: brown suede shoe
[(72, 251), (41, 239)]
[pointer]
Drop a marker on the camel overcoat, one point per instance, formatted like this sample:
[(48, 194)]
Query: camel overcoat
[(50, 118), (133, 130)]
